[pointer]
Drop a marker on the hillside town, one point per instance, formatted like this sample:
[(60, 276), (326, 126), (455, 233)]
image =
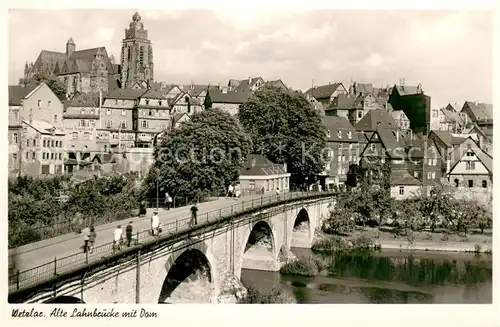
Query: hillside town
[(356, 190), (110, 116)]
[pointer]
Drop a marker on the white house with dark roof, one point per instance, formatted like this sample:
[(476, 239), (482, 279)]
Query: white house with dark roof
[(404, 185), (152, 116), (259, 173), (471, 167), (228, 101)]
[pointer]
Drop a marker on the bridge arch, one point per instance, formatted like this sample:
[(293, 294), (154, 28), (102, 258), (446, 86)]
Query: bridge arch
[(300, 230), (191, 275), (259, 248)]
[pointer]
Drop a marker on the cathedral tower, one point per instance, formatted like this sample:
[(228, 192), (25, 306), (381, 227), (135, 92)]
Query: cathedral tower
[(136, 55)]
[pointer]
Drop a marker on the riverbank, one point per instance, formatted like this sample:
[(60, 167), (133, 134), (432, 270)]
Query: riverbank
[(426, 241)]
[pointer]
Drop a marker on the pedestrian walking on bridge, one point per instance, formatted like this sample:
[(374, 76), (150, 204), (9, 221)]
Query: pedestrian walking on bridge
[(117, 238), (128, 233), (93, 236), (194, 218), (86, 238), (168, 200), (155, 223)]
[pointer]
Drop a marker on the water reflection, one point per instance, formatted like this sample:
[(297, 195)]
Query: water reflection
[(388, 277)]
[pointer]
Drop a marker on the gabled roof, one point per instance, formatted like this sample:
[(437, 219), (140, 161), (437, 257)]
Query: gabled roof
[(447, 138), (234, 97), (421, 149), (154, 94), (376, 119), (363, 88), (403, 178), (17, 93), (391, 142), (178, 116), (336, 123), (460, 151), (125, 94), (398, 114), (342, 101), (83, 100), (323, 91), (481, 111), (408, 90), (43, 127), (245, 85), (451, 116), (103, 158), (277, 83), (258, 165)]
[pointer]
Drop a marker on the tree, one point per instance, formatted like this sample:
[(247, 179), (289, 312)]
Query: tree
[(208, 101), (202, 156), (286, 128), (51, 80)]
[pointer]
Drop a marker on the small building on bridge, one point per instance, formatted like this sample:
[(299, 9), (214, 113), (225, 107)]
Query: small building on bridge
[(259, 174)]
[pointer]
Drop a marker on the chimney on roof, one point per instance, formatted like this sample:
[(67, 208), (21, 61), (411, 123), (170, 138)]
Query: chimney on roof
[(254, 161), (249, 80), (192, 85), (218, 85), (224, 90), (397, 135), (481, 141)]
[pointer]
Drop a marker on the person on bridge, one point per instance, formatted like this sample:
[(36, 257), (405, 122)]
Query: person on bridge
[(230, 190), (278, 192), (194, 218), (86, 238), (93, 236), (128, 233), (118, 238), (155, 223), (168, 200)]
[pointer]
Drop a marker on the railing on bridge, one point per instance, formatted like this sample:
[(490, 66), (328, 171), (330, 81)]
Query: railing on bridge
[(58, 266)]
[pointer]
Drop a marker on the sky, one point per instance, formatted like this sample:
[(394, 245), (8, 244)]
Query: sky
[(449, 52)]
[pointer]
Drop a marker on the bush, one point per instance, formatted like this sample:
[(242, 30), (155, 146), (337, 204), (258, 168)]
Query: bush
[(363, 243), (277, 295), (330, 245), (300, 267)]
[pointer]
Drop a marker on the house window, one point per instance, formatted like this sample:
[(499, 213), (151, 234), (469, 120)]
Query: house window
[(60, 156), (339, 158), (429, 162), (415, 174), (92, 122), (470, 165), (55, 119), (39, 103), (43, 156), (350, 146), (401, 190), (14, 156), (470, 154), (471, 183), (86, 136), (372, 146), (429, 175), (52, 143), (147, 102), (159, 103), (145, 124), (327, 168), (341, 146), (457, 182), (33, 155), (49, 103), (343, 158), (107, 124), (82, 123), (91, 111), (14, 136), (74, 135), (44, 143), (82, 111), (433, 175), (339, 134), (52, 156), (116, 102), (349, 134), (485, 184), (150, 112), (123, 124), (434, 113), (27, 143), (360, 114), (328, 133), (34, 142), (124, 112)]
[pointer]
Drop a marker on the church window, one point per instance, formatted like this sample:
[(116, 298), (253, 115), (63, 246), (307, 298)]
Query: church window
[(141, 56)]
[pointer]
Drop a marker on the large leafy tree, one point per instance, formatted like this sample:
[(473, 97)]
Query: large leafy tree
[(286, 128), (50, 79), (201, 157)]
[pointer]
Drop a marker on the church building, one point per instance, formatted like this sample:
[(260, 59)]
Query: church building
[(91, 70)]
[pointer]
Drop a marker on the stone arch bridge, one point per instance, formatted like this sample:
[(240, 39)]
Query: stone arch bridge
[(201, 265)]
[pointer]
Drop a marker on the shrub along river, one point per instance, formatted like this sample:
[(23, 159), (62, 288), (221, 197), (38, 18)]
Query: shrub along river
[(385, 277)]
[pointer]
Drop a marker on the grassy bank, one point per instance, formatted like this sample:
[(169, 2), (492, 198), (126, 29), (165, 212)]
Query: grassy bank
[(386, 238), (303, 267)]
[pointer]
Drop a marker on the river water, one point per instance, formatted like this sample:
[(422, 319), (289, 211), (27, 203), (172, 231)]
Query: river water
[(386, 277)]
